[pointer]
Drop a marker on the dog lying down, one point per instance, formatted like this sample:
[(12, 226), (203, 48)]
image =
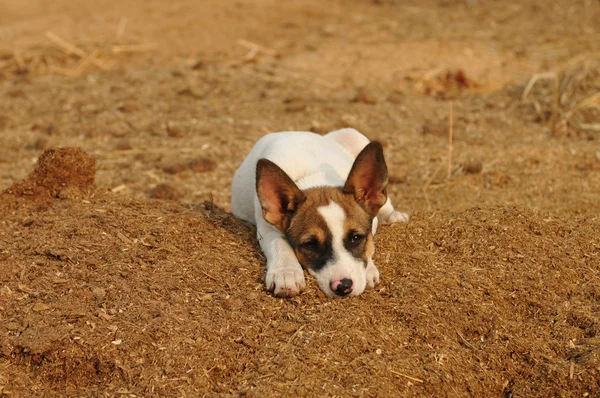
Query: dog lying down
[(316, 202)]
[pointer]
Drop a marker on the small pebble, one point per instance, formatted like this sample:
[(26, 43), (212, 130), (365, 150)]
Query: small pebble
[(123, 145), (41, 143), (175, 167), (365, 97), (175, 131), (396, 97), (473, 167)]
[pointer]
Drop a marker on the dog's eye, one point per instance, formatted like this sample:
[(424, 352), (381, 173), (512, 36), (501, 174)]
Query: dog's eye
[(355, 239), (311, 245)]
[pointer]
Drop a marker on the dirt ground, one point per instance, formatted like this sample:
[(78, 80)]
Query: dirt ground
[(123, 274)]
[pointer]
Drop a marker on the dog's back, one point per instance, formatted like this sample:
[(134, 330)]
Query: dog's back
[(309, 159)]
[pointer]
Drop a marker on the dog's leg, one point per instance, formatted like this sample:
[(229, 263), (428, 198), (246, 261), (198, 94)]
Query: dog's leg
[(388, 215), (285, 277), (372, 274)]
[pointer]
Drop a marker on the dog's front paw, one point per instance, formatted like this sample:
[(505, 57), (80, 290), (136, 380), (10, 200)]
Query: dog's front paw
[(372, 275), (285, 281), (396, 216)]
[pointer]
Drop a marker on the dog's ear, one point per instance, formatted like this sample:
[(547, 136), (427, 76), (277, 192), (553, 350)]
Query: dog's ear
[(277, 193), (368, 178)]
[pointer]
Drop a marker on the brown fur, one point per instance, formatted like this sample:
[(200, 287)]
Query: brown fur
[(307, 223)]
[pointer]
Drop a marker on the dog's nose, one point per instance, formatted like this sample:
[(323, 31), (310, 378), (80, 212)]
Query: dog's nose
[(342, 287)]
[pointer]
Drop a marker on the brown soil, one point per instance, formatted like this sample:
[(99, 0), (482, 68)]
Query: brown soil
[(123, 274)]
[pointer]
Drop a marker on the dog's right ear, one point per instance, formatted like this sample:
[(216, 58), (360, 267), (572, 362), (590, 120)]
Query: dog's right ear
[(278, 195)]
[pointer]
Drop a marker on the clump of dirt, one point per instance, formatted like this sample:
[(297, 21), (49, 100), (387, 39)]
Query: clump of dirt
[(175, 167), (473, 167), (59, 173), (364, 96), (446, 84), (202, 165), (165, 192)]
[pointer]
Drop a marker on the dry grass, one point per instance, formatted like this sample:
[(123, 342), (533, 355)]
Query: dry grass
[(567, 101), (65, 58)]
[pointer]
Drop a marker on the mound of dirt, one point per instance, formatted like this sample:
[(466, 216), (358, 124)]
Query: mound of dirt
[(153, 298), (59, 173)]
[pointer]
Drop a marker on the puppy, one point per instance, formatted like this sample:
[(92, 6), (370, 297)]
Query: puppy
[(316, 202)]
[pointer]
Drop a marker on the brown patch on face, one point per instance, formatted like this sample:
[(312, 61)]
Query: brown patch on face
[(308, 232), (358, 239), (311, 238), (370, 246), (312, 247)]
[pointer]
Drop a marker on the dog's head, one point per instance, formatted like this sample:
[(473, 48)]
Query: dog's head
[(329, 228)]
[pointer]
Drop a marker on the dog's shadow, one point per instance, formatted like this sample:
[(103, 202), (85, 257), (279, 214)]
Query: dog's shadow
[(242, 230)]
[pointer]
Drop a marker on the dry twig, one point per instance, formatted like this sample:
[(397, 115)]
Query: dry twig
[(133, 48), (65, 45), (121, 27), (533, 80), (450, 138), (257, 47), (406, 376), (71, 49)]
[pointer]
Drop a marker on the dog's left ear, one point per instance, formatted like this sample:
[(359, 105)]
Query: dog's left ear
[(278, 194), (368, 178)]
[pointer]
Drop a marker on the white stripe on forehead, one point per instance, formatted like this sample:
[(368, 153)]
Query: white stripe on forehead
[(343, 264), (335, 217)]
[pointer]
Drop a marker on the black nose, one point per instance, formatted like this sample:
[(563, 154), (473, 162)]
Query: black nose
[(344, 287)]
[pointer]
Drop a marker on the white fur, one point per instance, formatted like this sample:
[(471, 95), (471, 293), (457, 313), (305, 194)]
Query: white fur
[(310, 160)]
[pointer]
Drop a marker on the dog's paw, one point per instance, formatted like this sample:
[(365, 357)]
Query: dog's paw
[(372, 275), (285, 281), (396, 216)]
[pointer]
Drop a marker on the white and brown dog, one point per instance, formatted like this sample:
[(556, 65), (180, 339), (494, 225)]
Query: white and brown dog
[(316, 202)]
